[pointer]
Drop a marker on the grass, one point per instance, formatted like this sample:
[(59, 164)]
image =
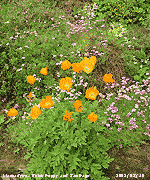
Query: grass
[(33, 36)]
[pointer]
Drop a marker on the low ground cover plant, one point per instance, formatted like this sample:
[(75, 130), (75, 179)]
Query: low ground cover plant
[(67, 92)]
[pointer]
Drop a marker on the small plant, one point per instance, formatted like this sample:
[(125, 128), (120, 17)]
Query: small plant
[(49, 118)]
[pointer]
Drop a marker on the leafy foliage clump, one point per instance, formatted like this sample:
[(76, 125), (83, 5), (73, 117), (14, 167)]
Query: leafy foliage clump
[(122, 11)]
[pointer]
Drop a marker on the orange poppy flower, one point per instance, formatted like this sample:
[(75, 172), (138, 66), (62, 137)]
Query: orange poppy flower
[(31, 79), (67, 116), (35, 112), (91, 93), (42, 103), (78, 106), (108, 78), (79, 109), (46, 104), (93, 60), (12, 112), (88, 69), (65, 65), (44, 71), (77, 67), (92, 117), (85, 62), (87, 65), (49, 104), (30, 96), (65, 84)]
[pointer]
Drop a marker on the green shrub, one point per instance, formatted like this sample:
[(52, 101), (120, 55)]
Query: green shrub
[(125, 12)]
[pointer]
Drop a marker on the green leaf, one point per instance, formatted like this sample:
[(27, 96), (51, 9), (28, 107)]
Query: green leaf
[(27, 156), (1, 144), (1, 118), (136, 77), (16, 151)]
